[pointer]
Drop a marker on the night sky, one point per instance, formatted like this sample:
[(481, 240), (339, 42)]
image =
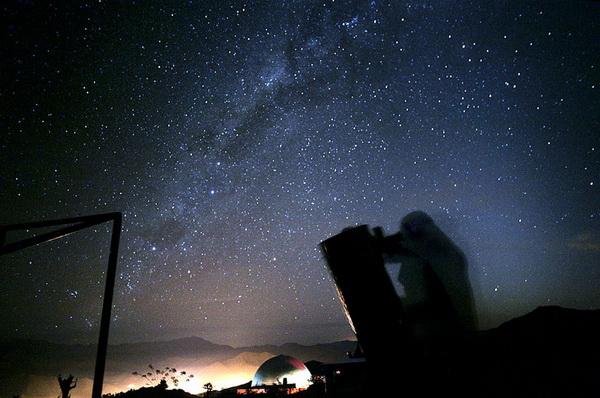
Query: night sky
[(235, 137)]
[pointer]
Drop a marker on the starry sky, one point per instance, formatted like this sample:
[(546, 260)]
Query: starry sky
[(235, 136)]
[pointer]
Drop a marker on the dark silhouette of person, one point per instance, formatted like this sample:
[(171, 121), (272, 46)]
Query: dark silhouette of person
[(422, 327), (438, 298)]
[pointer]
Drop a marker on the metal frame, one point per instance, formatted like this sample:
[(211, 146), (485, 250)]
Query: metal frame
[(77, 224)]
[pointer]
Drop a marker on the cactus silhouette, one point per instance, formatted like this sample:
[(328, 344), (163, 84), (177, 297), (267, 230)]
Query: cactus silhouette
[(66, 385)]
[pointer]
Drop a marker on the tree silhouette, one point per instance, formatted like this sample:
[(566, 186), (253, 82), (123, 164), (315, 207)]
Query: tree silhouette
[(66, 385), (156, 376), (208, 387), (316, 379)]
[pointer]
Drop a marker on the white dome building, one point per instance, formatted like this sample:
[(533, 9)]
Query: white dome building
[(280, 370)]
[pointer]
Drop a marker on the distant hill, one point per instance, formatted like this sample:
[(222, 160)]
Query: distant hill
[(37, 354), (551, 351), (30, 366), (546, 334), (151, 392)]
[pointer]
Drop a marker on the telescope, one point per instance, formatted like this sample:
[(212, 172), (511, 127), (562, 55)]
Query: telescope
[(355, 258)]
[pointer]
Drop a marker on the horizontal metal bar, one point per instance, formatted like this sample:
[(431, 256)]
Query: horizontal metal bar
[(96, 219), (79, 223)]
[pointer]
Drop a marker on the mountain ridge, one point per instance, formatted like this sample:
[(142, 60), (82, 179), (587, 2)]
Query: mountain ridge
[(550, 340)]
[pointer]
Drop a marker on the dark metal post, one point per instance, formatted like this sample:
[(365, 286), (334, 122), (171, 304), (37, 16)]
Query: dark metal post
[(107, 307), (77, 224)]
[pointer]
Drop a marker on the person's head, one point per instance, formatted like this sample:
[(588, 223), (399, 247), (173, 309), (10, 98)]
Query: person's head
[(423, 237), (415, 224)]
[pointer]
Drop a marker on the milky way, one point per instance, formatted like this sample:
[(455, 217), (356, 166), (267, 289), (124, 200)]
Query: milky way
[(234, 137)]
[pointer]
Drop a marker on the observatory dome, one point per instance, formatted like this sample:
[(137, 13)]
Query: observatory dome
[(276, 369)]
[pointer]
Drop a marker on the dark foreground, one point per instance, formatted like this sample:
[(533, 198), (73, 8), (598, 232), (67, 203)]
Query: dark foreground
[(550, 352)]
